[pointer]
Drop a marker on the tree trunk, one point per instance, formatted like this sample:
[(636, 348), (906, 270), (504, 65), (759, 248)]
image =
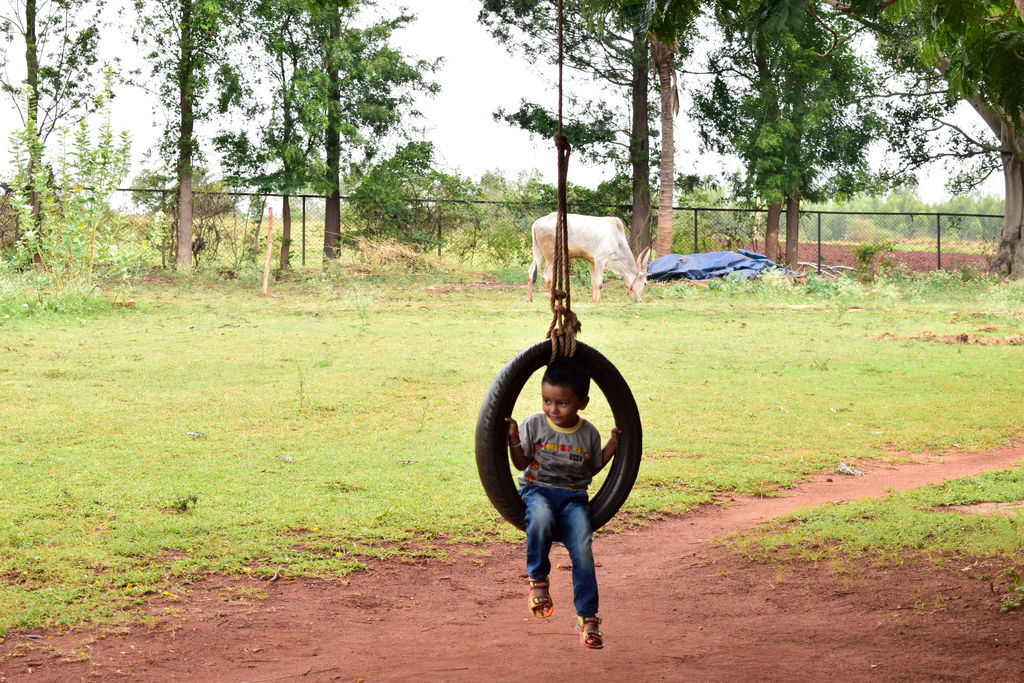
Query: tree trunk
[(185, 142), (639, 148), (31, 61), (663, 55), (766, 85), (184, 252), (1009, 258), (32, 110), (332, 210), (792, 228), (771, 232), (286, 231)]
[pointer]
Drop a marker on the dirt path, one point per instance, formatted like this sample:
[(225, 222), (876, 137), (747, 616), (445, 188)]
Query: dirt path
[(674, 608)]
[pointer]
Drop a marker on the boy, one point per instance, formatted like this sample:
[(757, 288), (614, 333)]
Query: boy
[(559, 452)]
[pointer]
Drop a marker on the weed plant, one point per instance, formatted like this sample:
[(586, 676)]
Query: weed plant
[(74, 241), (209, 429)]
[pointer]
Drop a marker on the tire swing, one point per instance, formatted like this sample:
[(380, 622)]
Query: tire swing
[(492, 460), (492, 457)]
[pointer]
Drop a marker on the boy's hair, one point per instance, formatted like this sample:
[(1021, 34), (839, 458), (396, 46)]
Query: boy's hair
[(569, 372)]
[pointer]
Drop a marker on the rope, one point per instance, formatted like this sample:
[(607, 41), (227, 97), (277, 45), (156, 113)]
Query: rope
[(564, 323)]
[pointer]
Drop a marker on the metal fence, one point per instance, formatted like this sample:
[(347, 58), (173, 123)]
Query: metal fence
[(228, 228), (920, 240)]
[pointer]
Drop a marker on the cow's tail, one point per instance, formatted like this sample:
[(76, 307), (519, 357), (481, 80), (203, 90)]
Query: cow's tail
[(531, 279)]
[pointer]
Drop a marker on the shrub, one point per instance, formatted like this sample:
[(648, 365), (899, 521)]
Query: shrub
[(870, 257), (74, 239)]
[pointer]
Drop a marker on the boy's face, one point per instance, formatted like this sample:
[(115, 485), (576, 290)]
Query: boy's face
[(562, 405)]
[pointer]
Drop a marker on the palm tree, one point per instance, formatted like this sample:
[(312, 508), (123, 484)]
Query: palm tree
[(662, 56)]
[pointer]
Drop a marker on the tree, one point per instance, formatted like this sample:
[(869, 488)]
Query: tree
[(188, 51), (615, 53), (280, 155), (976, 44), (405, 198), (976, 47), (59, 38), (800, 119), (361, 91)]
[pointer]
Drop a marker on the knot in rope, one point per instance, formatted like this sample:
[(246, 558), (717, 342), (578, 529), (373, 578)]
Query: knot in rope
[(563, 337), (562, 144)]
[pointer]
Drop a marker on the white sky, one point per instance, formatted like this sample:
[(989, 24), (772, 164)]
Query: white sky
[(476, 77)]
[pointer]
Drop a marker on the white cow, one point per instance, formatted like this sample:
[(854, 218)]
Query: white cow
[(598, 240)]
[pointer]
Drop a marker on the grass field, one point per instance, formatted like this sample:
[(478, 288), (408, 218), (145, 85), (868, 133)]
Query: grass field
[(209, 429)]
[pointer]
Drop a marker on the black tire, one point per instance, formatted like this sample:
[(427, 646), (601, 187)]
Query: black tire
[(492, 460)]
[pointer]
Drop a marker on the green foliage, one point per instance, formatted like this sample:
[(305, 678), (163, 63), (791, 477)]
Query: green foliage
[(981, 43), (339, 90), (1015, 598), (281, 156), (608, 55), (722, 230), (801, 124), (870, 257), (76, 238), (826, 288), (183, 503), (594, 139), (185, 47), (60, 64), (404, 198)]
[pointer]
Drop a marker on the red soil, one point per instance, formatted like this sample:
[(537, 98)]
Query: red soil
[(842, 255)]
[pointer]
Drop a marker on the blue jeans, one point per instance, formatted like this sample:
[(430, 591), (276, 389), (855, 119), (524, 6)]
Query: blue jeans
[(551, 510)]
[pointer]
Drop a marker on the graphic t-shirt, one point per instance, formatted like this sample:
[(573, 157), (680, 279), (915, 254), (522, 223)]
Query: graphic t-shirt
[(560, 458)]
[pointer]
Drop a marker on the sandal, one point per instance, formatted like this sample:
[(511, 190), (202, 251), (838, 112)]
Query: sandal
[(540, 599), (590, 636)]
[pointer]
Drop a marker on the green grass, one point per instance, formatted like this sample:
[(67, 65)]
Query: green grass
[(906, 525), (208, 429)]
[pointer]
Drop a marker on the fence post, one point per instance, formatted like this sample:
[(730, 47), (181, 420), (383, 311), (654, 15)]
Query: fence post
[(303, 231), (938, 241), (819, 243), (695, 248)]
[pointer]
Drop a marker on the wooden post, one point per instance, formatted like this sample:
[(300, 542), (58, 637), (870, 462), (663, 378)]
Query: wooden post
[(270, 247)]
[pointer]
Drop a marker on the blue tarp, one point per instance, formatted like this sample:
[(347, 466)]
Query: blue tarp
[(739, 263)]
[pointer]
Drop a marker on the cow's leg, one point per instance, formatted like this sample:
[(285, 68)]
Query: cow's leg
[(549, 277), (596, 276)]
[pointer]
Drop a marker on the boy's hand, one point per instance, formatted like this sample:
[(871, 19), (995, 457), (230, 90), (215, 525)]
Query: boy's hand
[(515, 445), (609, 448), (513, 430)]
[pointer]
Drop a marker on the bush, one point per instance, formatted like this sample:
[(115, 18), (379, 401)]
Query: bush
[(75, 239), (870, 257)]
